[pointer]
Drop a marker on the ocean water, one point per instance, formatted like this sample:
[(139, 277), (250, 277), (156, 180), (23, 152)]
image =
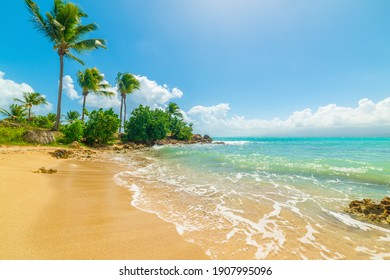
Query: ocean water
[(266, 198)]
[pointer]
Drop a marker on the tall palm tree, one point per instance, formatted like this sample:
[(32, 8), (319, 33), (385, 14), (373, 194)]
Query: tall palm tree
[(16, 112), (173, 110), (126, 84), (31, 99), (92, 81), (62, 26)]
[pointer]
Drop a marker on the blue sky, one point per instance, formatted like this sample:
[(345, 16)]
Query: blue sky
[(248, 67)]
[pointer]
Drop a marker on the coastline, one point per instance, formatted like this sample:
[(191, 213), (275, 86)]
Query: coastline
[(78, 213)]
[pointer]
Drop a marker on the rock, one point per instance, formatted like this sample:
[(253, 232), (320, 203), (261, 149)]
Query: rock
[(42, 137), (219, 143), (75, 145), (46, 171), (64, 154), (197, 137), (207, 139), (369, 210)]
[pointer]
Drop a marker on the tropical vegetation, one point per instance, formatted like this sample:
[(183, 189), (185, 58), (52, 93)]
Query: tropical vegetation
[(101, 127), (31, 99), (15, 113), (126, 84), (92, 81), (73, 131), (147, 126), (63, 27), (72, 116)]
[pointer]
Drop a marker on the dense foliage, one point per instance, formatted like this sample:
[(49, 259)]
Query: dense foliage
[(180, 130), (73, 131), (146, 126), (101, 127), (46, 122), (12, 135)]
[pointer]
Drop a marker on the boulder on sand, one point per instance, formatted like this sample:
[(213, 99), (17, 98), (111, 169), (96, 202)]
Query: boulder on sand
[(37, 136)]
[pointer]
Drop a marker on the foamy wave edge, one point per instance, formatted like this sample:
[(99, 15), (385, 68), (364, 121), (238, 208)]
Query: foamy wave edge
[(136, 198)]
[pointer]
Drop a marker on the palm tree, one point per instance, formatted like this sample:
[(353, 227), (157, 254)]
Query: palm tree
[(62, 26), (173, 110), (72, 116), (16, 112), (126, 83), (92, 81), (31, 99)]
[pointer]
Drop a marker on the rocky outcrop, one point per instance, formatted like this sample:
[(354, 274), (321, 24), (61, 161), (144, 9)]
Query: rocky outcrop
[(369, 210), (207, 139), (75, 145), (197, 137), (62, 153), (37, 136)]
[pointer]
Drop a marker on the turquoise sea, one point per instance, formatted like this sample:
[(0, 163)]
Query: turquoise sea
[(266, 198)]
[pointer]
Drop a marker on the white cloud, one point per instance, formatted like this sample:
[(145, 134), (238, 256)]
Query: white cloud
[(368, 118), (106, 102), (152, 94), (68, 87), (10, 89)]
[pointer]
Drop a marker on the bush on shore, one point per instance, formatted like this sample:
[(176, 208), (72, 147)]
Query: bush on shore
[(101, 127)]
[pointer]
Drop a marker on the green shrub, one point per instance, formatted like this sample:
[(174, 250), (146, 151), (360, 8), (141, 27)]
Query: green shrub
[(101, 127), (73, 132), (42, 122), (12, 135), (146, 125), (180, 130)]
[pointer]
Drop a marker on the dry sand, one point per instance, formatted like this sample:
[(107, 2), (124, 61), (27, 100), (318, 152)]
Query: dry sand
[(77, 213)]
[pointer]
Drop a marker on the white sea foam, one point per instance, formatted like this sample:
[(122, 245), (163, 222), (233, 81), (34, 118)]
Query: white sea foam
[(236, 143), (308, 238), (359, 170)]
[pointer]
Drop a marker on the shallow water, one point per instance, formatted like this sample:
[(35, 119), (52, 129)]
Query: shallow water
[(266, 198)]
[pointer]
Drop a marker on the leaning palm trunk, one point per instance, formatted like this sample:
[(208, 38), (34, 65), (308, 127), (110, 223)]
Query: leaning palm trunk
[(58, 116)]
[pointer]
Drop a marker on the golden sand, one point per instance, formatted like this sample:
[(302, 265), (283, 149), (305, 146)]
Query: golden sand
[(76, 213)]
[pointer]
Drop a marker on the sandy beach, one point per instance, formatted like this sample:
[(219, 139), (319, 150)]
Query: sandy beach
[(77, 213)]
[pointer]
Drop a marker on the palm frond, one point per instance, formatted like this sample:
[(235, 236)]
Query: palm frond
[(5, 112), (19, 100), (89, 45), (37, 19), (105, 93), (82, 30), (72, 57)]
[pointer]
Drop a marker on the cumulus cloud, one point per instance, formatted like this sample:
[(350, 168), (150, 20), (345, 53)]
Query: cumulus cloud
[(68, 87), (368, 118), (10, 89), (99, 101), (152, 94)]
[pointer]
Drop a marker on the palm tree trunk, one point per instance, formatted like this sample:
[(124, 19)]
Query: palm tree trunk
[(82, 114), (124, 119), (29, 115), (57, 123), (120, 126)]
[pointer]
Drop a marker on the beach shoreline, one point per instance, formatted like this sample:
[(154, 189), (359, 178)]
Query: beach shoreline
[(77, 213)]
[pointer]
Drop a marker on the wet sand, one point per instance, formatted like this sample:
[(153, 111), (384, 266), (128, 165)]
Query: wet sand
[(78, 213)]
